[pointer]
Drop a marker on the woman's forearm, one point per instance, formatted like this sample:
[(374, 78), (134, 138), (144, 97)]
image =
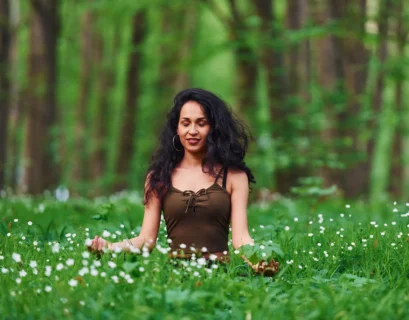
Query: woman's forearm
[(133, 245)]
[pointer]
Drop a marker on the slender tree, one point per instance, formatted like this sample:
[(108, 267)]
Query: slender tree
[(399, 173), (244, 55), (379, 178), (41, 170), (179, 35), (14, 145), (105, 83), (88, 45), (288, 77), (352, 58), (326, 74), (246, 63), (133, 91), (4, 84)]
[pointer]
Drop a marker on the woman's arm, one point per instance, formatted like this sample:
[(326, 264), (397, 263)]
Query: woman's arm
[(147, 236), (239, 200), (239, 223)]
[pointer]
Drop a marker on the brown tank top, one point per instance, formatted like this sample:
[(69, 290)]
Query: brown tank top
[(196, 220)]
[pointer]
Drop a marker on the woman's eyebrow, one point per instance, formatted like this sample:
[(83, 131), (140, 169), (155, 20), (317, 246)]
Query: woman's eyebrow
[(202, 118)]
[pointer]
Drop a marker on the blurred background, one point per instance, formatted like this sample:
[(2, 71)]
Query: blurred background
[(85, 86)]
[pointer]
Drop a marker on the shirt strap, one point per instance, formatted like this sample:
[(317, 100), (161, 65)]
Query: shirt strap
[(224, 177)]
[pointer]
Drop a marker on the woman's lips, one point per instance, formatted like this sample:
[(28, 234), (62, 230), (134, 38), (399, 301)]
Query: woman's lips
[(193, 141)]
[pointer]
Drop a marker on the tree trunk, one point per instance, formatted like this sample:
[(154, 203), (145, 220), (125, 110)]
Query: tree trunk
[(247, 69), (41, 171), (14, 144), (188, 32), (4, 85), (174, 65), (326, 75), (292, 95), (88, 43), (351, 15), (379, 178), (298, 64), (105, 84), (397, 173), (133, 87)]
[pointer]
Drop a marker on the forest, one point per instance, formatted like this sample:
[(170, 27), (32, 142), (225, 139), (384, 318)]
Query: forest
[(85, 86), (85, 89)]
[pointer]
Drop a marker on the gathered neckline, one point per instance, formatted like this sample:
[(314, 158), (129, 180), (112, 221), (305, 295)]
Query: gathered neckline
[(205, 189)]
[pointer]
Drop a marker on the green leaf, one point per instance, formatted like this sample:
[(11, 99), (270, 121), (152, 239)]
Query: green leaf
[(129, 266)]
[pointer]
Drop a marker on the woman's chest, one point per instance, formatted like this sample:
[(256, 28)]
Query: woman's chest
[(212, 204)]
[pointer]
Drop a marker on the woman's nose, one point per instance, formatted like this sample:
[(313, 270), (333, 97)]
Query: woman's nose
[(192, 129)]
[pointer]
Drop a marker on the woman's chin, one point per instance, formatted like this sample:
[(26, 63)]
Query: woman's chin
[(194, 149)]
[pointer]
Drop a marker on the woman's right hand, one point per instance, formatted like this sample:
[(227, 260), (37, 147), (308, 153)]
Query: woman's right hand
[(98, 245)]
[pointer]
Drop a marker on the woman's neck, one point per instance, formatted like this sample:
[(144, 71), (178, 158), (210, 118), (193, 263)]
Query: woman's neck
[(191, 160)]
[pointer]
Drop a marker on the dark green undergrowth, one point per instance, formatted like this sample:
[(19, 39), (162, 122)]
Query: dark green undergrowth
[(340, 261)]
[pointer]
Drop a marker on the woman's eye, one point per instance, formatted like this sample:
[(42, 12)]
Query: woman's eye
[(202, 124)]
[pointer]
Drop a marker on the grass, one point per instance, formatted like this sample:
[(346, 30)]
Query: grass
[(341, 261)]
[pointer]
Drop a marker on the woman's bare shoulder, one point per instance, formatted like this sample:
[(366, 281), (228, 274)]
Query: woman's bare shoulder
[(237, 176)]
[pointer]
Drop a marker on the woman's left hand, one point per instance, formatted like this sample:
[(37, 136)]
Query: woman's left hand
[(267, 269)]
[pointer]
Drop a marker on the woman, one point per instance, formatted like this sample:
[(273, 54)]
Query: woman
[(199, 179)]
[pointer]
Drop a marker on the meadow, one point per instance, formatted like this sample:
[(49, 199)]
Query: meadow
[(339, 261)]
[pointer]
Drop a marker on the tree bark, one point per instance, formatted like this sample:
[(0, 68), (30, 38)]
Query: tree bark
[(327, 74), (133, 86), (378, 179), (298, 64), (247, 68), (87, 48), (16, 108), (105, 83), (174, 65), (288, 91), (41, 170), (4, 85), (353, 58), (397, 173)]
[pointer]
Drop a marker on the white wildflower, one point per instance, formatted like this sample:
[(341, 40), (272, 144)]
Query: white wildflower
[(55, 248), (70, 262), (16, 257), (73, 283)]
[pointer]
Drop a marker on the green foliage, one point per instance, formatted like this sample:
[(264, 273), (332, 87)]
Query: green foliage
[(103, 212), (263, 250), (352, 258), (311, 187)]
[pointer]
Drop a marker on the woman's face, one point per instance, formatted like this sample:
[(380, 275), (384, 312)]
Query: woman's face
[(193, 127)]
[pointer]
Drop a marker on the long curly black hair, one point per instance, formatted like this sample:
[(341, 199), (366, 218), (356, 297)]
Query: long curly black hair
[(226, 142)]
